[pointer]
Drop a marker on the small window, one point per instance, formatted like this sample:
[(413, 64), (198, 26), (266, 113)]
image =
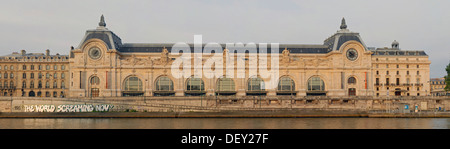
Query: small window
[(95, 80), (351, 80)]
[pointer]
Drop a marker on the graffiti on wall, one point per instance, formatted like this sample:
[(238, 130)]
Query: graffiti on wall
[(67, 108)]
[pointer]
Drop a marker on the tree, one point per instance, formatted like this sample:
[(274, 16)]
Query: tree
[(447, 78)]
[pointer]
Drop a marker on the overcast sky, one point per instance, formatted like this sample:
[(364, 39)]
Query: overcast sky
[(56, 25)]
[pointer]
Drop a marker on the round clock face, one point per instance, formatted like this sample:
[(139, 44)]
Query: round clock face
[(95, 53), (352, 54)]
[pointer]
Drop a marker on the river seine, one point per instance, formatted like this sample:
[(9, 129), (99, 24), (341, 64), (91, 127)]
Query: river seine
[(225, 123)]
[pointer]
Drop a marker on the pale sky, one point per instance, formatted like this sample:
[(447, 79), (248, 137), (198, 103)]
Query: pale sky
[(56, 25)]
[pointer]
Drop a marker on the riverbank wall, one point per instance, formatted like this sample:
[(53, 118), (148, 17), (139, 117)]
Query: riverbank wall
[(252, 106)]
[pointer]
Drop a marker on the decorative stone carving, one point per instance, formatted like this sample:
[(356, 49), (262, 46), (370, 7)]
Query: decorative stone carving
[(285, 56)]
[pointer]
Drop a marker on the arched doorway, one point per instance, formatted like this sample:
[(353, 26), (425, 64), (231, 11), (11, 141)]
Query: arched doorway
[(352, 92), (351, 84), (94, 84), (31, 94)]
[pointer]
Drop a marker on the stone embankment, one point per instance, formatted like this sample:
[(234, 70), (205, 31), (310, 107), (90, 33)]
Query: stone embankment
[(248, 106)]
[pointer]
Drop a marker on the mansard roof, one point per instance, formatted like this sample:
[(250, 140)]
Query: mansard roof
[(157, 48)]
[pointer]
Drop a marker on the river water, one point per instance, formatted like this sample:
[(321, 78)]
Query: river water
[(225, 123)]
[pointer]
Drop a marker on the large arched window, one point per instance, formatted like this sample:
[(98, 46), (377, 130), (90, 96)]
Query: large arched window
[(225, 86), (195, 86), (256, 84), (316, 84), (286, 84), (132, 84), (316, 87), (132, 87), (256, 87), (164, 86)]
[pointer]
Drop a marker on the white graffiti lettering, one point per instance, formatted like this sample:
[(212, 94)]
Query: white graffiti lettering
[(39, 108), (67, 108)]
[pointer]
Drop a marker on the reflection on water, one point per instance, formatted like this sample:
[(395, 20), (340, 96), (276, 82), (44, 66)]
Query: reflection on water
[(225, 123)]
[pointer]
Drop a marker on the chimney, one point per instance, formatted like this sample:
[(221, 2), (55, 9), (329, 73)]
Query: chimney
[(23, 52), (47, 52)]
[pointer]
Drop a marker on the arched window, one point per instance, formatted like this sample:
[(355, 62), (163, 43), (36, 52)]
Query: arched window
[(24, 84), (256, 84), (195, 84), (286, 84), (225, 85), (164, 84), (133, 87), (47, 84), (11, 84), (95, 80), (31, 84), (316, 84), (133, 84), (63, 85), (351, 80)]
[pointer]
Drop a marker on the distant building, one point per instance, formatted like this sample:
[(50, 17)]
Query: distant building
[(400, 72), (34, 74), (437, 86)]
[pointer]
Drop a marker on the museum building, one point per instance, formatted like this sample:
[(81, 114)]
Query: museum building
[(102, 66)]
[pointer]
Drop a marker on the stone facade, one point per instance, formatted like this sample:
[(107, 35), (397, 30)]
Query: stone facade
[(437, 86), (34, 74)]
